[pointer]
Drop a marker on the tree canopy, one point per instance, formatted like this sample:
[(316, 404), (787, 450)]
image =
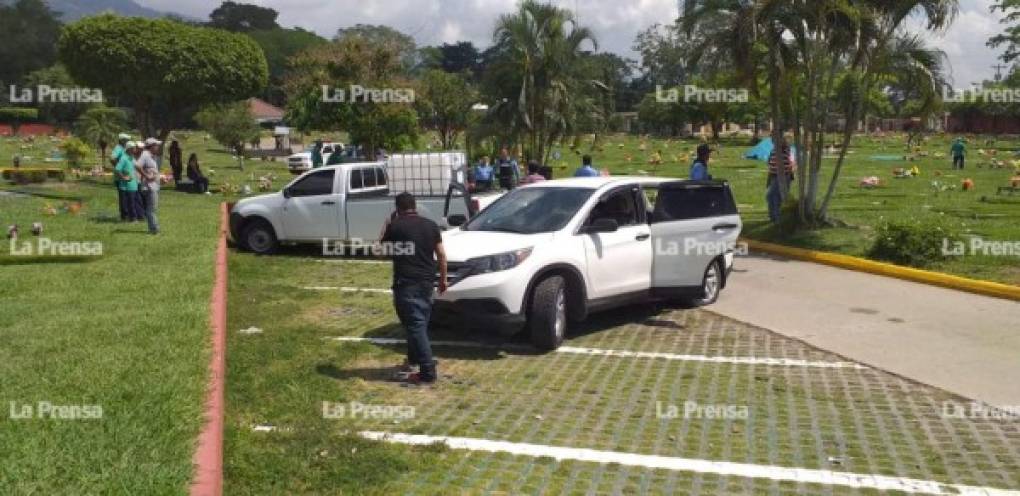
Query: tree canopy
[(30, 31), (243, 17), (163, 69)]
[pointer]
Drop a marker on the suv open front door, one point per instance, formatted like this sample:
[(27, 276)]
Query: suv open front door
[(693, 224)]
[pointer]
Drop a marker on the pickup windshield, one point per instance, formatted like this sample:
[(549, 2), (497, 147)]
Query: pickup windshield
[(531, 210)]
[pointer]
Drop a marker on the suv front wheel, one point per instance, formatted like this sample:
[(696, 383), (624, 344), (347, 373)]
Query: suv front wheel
[(548, 315)]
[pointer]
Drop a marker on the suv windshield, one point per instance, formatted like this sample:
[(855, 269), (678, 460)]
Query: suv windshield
[(531, 210)]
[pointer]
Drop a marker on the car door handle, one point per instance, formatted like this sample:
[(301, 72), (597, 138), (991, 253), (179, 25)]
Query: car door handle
[(329, 203), (642, 237), (724, 227)]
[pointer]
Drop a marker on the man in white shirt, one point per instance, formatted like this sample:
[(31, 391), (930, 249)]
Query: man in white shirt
[(149, 173)]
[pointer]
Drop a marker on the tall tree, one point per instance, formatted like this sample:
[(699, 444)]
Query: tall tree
[(243, 17), (444, 104), (174, 68), (459, 57), (819, 57), (279, 45), (353, 60), (541, 46), (30, 31)]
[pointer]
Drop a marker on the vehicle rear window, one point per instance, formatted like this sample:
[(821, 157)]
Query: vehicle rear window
[(693, 202), (368, 176), (380, 177), (355, 180), (314, 184)]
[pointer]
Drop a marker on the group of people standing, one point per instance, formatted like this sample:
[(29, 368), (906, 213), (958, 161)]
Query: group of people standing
[(780, 161), (136, 175), (506, 173)]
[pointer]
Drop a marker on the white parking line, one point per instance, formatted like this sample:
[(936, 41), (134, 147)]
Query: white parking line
[(799, 475), (347, 290), (782, 362)]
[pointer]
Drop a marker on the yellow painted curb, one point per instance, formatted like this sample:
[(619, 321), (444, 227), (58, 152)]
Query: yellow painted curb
[(986, 288)]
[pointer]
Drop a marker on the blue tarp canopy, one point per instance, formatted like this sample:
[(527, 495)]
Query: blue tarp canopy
[(763, 149)]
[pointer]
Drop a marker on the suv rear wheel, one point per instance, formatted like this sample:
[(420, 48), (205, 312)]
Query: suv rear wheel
[(548, 315), (711, 285)]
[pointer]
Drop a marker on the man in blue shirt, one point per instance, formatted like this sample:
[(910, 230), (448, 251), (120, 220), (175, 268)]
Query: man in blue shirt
[(483, 175), (586, 170), (699, 169)]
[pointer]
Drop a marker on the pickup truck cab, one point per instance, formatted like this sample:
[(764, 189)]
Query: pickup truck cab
[(349, 203), (548, 254), (301, 162)]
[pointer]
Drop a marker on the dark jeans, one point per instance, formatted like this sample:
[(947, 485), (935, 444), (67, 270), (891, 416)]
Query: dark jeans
[(413, 302), (958, 162), (201, 184), (130, 205), (123, 205)]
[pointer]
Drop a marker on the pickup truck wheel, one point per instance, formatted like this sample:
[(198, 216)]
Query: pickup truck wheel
[(548, 319), (711, 285), (259, 238)]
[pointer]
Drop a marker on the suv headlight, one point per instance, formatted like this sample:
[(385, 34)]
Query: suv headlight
[(500, 262)]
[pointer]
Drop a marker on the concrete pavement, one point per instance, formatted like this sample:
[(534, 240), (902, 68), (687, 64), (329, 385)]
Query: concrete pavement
[(961, 342)]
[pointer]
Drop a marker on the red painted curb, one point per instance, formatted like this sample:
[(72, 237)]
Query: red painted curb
[(208, 459)]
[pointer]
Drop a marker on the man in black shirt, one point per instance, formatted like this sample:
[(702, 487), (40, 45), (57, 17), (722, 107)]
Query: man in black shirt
[(416, 247)]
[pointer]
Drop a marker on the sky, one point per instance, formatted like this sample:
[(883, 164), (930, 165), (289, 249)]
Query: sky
[(615, 23)]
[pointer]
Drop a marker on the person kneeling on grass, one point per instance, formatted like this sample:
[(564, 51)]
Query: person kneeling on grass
[(421, 255)]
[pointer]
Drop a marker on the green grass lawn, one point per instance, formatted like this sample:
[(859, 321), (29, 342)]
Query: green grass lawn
[(126, 331)]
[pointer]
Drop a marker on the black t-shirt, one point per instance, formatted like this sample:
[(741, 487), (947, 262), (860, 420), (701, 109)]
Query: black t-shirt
[(412, 242)]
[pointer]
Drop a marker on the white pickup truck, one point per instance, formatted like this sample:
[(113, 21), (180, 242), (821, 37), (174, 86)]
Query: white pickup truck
[(349, 203), (551, 253), (301, 162)]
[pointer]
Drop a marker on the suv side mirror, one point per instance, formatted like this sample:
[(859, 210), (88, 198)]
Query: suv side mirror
[(286, 193), (603, 225), (457, 220)]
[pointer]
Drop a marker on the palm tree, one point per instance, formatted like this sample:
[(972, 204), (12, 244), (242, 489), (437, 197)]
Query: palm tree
[(543, 44), (100, 125), (810, 50)]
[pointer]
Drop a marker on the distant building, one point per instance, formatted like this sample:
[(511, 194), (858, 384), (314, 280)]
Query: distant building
[(265, 113)]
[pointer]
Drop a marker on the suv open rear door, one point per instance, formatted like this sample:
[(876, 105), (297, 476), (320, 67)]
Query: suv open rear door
[(693, 224)]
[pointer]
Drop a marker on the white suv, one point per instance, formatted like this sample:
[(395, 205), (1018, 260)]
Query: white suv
[(551, 253)]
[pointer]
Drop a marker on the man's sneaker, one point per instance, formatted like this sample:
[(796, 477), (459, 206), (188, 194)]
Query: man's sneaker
[(403, 371), (415, 379)]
